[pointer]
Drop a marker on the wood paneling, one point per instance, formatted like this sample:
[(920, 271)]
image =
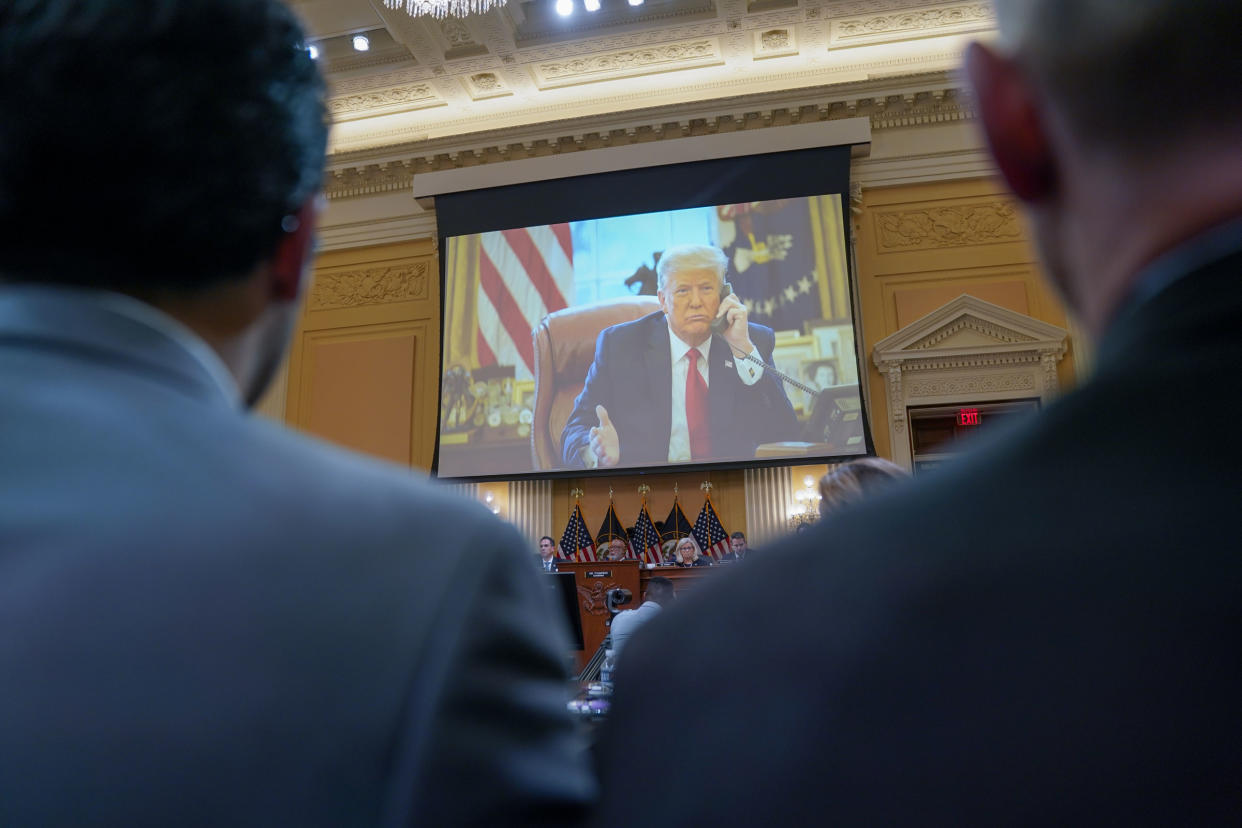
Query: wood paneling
[(920, 246), (364, 363)]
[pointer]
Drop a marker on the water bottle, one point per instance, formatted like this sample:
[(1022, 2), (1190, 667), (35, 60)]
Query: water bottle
[(605, 670)]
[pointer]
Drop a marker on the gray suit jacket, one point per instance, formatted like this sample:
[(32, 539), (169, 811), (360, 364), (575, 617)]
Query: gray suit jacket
[(1044, 632), (207, 619)]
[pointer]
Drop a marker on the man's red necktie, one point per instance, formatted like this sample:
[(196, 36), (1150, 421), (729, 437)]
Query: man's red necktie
[(697, 418)]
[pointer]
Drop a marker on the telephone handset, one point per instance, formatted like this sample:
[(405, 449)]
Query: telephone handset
[(721, 323)]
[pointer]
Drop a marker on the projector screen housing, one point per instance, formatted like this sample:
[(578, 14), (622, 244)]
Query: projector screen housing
[(534, 272)]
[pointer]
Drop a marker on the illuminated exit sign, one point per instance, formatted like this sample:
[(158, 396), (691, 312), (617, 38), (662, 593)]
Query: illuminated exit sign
[(968, 416)]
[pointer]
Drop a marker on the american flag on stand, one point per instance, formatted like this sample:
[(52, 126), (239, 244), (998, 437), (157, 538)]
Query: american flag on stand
[(524, 275), (646, 538), (710, 533), (576, 542)]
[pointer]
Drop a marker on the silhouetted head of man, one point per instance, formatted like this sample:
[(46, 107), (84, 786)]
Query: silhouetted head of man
[(172, 150), (1110, 185)]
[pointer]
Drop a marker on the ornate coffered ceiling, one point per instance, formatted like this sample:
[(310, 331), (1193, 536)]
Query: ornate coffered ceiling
[(521, 80)]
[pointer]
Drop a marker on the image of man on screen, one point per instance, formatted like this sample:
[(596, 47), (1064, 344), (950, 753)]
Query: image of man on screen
[(671, 388)]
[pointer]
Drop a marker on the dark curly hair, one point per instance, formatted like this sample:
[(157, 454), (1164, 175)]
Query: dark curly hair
[(152, 143)]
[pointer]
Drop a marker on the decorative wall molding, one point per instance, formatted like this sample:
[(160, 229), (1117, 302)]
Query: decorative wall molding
[(482, 85), (370, 286), (628, 63), (397, 99), (912, 103), (957, 386), (778, 42), (893, 26), (377, 231), (967, 351), (969, 322), (950, 226)]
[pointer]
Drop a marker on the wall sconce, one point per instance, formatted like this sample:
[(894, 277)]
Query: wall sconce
[(806, 508)]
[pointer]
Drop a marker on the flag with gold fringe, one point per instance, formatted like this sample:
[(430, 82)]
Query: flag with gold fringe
[(576, 542), (710, 532), (646, 538)]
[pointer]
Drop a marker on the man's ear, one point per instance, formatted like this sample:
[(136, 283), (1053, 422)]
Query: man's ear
[(294, 250), (1012, 123)]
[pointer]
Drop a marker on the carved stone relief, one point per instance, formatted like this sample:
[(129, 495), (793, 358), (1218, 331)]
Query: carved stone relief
[(775, 43), (369, 286), (880, 28), (419, 93), (662, 58), (972, 323), (987, 384), (938, 227)]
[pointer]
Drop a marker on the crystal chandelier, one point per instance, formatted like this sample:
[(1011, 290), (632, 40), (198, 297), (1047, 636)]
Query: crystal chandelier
[(443, 8)]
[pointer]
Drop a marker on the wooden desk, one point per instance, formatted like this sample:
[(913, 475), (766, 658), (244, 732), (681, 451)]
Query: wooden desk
[(683, 577), (593, 581)]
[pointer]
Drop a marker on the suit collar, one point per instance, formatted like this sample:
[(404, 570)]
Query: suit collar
[(117, 332), (658, 366), (1191, 292)]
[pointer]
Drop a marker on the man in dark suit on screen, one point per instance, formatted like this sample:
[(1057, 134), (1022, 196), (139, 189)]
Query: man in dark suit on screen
[(667, 389), (206, 618), (1046, 630)]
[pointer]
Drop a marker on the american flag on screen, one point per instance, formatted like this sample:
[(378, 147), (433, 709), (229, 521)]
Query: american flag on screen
[(524, 275), (576, 543), (646, 538), (710, 533)]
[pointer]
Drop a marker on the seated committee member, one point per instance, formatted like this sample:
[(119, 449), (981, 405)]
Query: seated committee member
[(738, 550), (616, 550), (688, 554), (546, 559), (207, 618), (665, 388), (660, 593)]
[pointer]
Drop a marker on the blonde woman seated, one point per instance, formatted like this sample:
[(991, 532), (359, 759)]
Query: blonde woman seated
[(688, 553), (855, 481)]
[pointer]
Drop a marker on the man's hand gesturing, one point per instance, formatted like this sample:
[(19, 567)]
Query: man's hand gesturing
[(605, 444)]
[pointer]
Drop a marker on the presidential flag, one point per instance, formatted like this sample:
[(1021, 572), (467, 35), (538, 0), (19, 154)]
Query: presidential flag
[(611, 528), (576, 543), (676, 525), (646, 538), (710, 533), (524, 275)]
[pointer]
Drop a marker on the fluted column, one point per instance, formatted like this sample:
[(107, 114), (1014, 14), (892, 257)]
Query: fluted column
[(769, 493), (530, 507), (470, 490)]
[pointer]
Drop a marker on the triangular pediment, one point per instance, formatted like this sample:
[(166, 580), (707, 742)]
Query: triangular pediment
[(969, 325)]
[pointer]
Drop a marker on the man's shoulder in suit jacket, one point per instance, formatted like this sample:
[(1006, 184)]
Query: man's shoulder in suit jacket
[(210, 618), (1042, 631)]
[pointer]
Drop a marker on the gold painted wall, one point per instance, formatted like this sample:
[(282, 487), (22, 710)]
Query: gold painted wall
[(364, 362), (920, 246)]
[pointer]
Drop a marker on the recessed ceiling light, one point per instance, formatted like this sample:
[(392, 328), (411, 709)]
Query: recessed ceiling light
[(636, 2), (313, 51), (361, 43), (590, 5), (564, 7)]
